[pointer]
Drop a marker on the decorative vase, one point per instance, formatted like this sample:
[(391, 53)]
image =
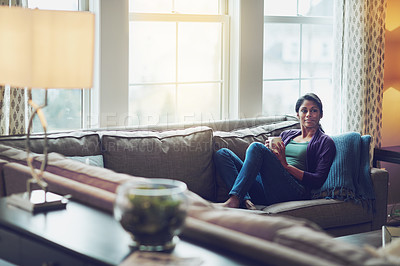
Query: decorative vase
[(153, 211)]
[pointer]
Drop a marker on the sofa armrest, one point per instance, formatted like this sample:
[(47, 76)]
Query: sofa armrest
[(254, 249), (380, 179), (16, 175), (2, 182)]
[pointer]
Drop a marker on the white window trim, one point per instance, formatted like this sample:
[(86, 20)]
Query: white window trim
[(247, 48), (109, 105), (225, 21)]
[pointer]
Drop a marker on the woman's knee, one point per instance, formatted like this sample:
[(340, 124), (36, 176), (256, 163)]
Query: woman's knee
[(222, 153), (257, 146)]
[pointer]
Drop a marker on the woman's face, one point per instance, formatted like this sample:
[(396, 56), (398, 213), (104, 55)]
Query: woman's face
[(309, 114)]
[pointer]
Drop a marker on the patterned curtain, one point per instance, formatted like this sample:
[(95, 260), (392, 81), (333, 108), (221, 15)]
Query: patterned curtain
[(358, 66), (13, 103)]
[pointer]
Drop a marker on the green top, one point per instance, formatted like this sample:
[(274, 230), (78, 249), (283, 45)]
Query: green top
[(296, 154)]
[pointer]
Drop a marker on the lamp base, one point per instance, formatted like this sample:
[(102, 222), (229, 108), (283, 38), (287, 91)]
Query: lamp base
[(38, 201)]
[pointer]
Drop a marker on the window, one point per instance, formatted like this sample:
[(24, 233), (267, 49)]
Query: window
[(177, 60), (65, 107), (298, 54)]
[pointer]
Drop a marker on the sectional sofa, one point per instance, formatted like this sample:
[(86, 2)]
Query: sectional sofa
[(90, 164)]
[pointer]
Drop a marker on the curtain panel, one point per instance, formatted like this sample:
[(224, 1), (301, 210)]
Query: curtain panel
[(13, 102), (358, 66)]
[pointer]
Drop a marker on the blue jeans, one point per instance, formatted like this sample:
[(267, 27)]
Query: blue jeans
[(260, 178)]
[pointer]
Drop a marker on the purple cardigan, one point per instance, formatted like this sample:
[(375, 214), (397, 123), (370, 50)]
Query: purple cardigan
[(321, 151)]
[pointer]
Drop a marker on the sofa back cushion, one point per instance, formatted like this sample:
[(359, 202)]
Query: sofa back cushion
[(184, 155), (77, 143)]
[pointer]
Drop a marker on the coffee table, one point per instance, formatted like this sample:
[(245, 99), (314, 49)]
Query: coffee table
[(81, 235)]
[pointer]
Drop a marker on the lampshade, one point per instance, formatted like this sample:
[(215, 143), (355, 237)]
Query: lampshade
[(46, 48)]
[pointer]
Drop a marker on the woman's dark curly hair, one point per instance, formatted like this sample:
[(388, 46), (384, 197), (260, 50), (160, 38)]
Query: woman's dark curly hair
[(310, 97)]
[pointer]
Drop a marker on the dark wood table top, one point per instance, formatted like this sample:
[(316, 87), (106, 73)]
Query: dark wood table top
[(94, 235), (389, 154)]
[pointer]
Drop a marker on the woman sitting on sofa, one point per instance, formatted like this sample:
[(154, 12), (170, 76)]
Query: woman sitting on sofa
[(299, 163)]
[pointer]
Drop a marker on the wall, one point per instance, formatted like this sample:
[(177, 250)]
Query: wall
[(111, 61), (391, 96)]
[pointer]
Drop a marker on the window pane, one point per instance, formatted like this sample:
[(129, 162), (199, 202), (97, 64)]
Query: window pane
[(319, 8), (152, 6), (63, 110), (199, 56), (199, 102), (152, 52), (317, 51), (281, 50), (197, 7), (279, 97), (280, 8), (151, 105)]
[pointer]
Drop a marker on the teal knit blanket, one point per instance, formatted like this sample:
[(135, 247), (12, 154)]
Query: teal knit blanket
[(349, 177)]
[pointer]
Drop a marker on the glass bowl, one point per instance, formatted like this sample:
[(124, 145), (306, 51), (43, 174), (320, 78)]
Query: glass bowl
[(153, 211)]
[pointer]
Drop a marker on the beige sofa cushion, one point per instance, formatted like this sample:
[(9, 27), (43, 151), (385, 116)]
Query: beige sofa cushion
[(327, 213), (76, 143), (184, 155)]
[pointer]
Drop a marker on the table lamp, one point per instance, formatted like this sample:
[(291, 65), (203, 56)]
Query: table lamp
[(44, 49)]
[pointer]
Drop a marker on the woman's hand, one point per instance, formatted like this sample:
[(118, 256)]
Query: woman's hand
[(280, 153)]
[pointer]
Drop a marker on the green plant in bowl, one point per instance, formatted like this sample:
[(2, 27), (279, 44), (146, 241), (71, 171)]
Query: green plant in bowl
[(152, 213)]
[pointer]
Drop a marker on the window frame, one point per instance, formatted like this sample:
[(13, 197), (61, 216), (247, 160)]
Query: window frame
[(222, 18), (298, 20)]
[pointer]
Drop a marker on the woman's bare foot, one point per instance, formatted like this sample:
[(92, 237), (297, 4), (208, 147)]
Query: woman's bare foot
[(232, 202), (249, 205)]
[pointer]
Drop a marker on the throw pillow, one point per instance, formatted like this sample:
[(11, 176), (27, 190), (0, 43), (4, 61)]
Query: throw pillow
[(95, 160), (76, 143)]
